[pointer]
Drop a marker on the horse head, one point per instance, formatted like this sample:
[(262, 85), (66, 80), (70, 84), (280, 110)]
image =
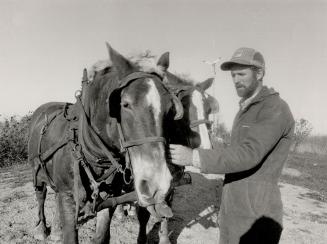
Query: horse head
[(128, 108), (193, 128)]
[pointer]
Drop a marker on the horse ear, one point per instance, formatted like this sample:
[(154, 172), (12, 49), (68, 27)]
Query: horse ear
[(163, 62), (85, 76), (204, 85), (121, 64), (213, 104)]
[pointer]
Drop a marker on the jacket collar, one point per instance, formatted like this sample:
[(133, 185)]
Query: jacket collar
[(261, 95), (244, 103)]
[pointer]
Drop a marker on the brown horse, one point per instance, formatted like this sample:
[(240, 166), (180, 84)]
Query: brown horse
[(80, 150), (192, 130)]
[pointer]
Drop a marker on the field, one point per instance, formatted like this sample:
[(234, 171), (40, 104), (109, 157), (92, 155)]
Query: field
[(303, 186)]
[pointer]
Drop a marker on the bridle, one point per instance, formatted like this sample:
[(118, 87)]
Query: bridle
[(126, 145), (197, 122), (80, 148), (187, 91)]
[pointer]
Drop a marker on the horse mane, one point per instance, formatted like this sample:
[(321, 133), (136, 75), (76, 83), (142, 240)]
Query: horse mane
[(100, 66), (145, 62), (141, 63)]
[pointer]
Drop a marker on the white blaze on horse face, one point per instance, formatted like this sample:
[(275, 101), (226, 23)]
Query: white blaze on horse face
[(151, 175), (153, 99), (197, 100)]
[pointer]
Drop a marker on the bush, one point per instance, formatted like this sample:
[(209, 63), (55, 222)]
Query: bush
[(302, 130), (220, 134), (13, 140)]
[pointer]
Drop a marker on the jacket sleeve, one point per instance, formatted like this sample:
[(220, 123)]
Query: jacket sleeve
[(260, 139)]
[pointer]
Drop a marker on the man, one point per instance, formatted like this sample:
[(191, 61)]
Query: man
[(251, 207)]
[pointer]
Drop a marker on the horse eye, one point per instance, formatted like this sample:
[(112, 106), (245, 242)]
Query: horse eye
[(125, 104)]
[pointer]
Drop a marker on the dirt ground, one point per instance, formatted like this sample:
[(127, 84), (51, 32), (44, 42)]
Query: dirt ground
[(195, 213)]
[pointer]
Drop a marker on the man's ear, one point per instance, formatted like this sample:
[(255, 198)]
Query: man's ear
[(260, 74)]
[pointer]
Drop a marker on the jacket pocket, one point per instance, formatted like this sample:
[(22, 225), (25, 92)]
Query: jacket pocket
[(265, 199), (236, 200), (260, 195), (252, 199)]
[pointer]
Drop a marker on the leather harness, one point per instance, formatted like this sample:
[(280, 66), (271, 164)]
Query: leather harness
[(79, 144)]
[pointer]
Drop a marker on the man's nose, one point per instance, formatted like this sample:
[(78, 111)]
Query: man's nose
[(236, 80)]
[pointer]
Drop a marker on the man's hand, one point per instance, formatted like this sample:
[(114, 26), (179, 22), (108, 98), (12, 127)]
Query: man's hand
[(181, 155)]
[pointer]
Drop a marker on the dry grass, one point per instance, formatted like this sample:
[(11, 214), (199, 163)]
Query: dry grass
[(313, 168), (314, 144)]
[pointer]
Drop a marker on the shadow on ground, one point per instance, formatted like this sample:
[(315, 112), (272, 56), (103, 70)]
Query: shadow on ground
[(195, 204)]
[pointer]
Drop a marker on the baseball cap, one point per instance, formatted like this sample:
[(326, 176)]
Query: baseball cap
[(245, 56)]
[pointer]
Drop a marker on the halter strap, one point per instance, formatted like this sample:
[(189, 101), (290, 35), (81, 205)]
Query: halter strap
[(133, 76), (139, 142), (127, 144), (196, 123), (124, 145)]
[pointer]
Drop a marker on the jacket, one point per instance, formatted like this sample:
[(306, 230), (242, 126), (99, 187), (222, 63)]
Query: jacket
[(260, 141)]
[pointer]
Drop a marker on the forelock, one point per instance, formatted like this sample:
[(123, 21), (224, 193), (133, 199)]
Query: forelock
[(97, 67), (147, 64)]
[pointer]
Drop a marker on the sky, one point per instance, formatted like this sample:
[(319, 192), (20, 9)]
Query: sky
[(45, 44)]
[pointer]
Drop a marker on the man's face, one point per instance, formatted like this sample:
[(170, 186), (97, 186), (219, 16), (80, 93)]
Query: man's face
[(245, 80)]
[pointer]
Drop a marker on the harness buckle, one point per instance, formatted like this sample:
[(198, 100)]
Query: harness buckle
[(122, 147), (44, 129), (130, 177)]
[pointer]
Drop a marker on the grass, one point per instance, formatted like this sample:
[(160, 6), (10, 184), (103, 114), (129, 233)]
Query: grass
[(314, 144), (16, 175), (313, 168), (14, 196)]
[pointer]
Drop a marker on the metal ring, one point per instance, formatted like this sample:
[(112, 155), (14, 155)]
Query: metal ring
[(130, 178), (78, 93)]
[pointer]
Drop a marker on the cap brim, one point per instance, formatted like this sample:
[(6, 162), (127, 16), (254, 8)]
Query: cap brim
[(228, 65)]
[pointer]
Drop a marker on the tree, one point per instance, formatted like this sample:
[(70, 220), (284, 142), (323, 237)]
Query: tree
[(302, 130), (220, 135), (13, 139)]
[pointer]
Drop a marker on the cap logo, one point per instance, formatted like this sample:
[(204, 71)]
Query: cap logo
[(238, 54)]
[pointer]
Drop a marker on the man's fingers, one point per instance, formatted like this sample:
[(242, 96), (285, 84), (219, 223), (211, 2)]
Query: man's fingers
[(174, 154)]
